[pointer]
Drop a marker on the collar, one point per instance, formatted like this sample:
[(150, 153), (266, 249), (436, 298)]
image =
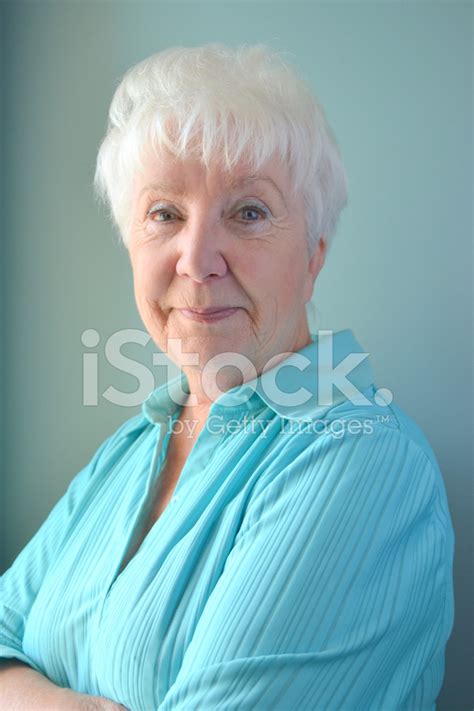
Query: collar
[(333, 368)]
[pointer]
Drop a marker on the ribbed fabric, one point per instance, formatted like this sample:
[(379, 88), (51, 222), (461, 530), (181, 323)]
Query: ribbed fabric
[(296, 567)]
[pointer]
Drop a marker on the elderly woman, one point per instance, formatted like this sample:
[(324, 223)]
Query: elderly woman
[(272, 531)]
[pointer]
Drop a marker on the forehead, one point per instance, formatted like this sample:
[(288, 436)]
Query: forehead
[(165, 171)]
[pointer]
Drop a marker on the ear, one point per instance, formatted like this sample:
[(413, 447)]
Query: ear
[(315, 264)]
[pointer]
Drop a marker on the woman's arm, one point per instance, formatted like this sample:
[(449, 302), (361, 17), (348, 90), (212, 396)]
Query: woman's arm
[(20, 584), (22, 676), (23, 689)]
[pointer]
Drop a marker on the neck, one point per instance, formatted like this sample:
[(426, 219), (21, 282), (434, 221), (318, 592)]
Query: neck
[(206, 391)]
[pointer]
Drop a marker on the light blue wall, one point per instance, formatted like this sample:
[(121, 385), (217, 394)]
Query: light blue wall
[(396, 81)]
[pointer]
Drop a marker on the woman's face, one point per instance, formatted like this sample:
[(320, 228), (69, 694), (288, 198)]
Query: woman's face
[(202, 240)]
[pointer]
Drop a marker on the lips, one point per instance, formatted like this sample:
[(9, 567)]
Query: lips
[(212, 313), (210, 309)]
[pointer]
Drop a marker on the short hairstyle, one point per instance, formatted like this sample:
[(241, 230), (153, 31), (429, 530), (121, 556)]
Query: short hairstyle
[(238, 103)]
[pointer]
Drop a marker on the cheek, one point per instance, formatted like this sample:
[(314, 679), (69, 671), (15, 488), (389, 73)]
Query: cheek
[(282, 277), (148, 285), (150, 272), (291, 288), (271, 276), (249, 266)]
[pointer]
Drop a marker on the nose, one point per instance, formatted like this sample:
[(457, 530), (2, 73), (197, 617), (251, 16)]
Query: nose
[(200, 256)]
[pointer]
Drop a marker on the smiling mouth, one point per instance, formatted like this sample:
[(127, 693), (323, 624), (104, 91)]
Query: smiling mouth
[(210, 314)]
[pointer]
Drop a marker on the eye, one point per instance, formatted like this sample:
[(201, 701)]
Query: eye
[(253, 213), (164, 214)]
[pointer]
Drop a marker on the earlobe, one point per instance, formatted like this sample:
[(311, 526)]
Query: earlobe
[(316, 261), (315, 265)]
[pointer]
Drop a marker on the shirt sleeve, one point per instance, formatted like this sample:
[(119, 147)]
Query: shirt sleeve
[(337, 593), (19, 585)]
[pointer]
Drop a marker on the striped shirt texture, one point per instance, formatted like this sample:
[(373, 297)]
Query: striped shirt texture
[(304, 561)]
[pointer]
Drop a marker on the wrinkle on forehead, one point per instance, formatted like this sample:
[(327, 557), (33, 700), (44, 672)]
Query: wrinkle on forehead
[(227, 179)]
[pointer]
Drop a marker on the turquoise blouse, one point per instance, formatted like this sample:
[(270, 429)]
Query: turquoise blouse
[(304, 561)]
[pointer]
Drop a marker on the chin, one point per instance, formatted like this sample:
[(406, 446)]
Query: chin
[(209, 345)]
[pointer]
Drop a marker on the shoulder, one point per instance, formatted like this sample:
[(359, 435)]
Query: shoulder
[(355, 453), (131, 429), (128, 435), (119, 445), (380, 428)]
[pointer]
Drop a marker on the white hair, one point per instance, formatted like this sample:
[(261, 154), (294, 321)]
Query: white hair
[(233, 103)]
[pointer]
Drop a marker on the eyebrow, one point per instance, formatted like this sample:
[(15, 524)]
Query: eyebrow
[(170, 187), (164, 185), (253, 178)]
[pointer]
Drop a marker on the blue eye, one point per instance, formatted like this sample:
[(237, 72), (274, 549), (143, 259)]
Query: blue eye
[(249, 210), (254, 210), (161, 211), (249, 214)]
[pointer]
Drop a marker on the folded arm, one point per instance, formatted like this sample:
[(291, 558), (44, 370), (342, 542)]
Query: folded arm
[(23, 685)]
